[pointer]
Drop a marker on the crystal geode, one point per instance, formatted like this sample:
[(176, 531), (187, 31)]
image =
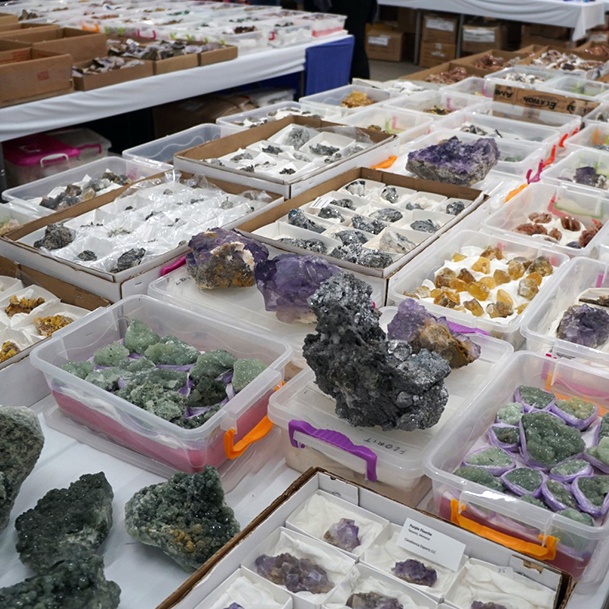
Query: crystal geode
[(374, 381), (65, 520), (422, 330), (186, 517), (287, 281), (21, 442), (373, 600), (415, 572), (343, 534), (220, 258), (584, 325), (455, 162), (296, 574)]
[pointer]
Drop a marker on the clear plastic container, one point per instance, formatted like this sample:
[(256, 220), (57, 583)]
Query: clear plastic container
[(187, 450), (398, 87), (559, 201), (557, 540), (333, 97), (433, 258), (565, 170), (509, 76), (473, 85), (598, 116), (595, 135), (284, 33), (91, 145), (325, 24), (428, 100), (578, 87)]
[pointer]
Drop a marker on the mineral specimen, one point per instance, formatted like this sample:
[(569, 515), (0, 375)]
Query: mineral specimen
[(139, 337), (387, 215), (571, 469), (591, 494), (510, 413), (8, 349), (534, 501), (329, 212), (356, 99), (245, 371), (354, 252), (577, 516), (588, 176), (533, 398), (349, 237), (288, 280), (113, 354), (186, 517), (45, 326), (65, 520), (343, 534), (344, 203), (314, 245), (128, 259), (368, 225), (576, 412), (523, 480), (18, 305), (492, 459), (479, 476), (392, 241), (455, 162), (76, 583), (372, 600), (504, 436), (454, 208), (483, 605), (584, 325), (296, 574), (557, 496), (221, 258), (297, 217), (425, 226), (600, 454), (374, 381), (21, 442), (171, 351), (415, 572), (55, 237)]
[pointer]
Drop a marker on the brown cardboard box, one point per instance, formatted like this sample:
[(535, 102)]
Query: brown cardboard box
[(594, 50), (12, 51), (40, 75), (479, 38), (478, 71), (88, 82), (10, 30), (407, 20), (440, 28), (529, 38), (444, 67), (9, 20), (549, 31), (225, 54), (384, 42), (434, 53)]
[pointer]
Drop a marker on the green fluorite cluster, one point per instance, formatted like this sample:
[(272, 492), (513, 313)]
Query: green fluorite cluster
[(479, 475), (594, 489), (528, 479), (577, 407), (601, 450), (510, 414), (535, 397), (489, 457)]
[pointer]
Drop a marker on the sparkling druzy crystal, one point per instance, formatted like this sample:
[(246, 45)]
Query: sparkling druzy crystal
[(547, 440), (139, 337), (107, 378), (415, 572), (343, 534), (296, 574), (113, 354), (355, 252), (600, 451), (65, 520), (372, 600), (591, 493), (578, 516), (422, 330), (522, 480), (245, 371), (221, 258), (455, 162), (78, 582), (504, 436), (288, 280), (21, 442), (570, 469), (584, 325), (480, 476), (212, 364), (79, 369), (297, 217), (55, 237), (534, 501), (186, 517), (171, 351), (374, 381), (510, 414), (491, 458), (602, 431), (557, 495), (533, 397)]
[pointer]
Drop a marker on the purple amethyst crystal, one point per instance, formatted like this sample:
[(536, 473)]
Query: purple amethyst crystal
[(588, 176), (483, 605), (584, 325), (287, 281), (222, 258), (343, 534), (454, 161), (235, 606), (372, 600), (296, 574), (415, 572), (422, 330)]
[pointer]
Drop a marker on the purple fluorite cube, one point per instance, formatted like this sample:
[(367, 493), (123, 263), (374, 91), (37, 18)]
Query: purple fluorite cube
[(415, 572), (343, 534), (296, 574), (584, 325)]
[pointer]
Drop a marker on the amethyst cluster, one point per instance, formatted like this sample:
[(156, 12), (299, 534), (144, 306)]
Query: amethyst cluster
[(415, 572), (296, 574), (584, 325), (343, 534), (373, 600)]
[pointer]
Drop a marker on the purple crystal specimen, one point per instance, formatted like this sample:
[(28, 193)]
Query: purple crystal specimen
[(584, 325), (422, 330), (415, 572), (587, 176), (222, 258), (296, 574), (372, 600), (287, 281), (482, 605), (455, 162), (343, 534), (235, 606)]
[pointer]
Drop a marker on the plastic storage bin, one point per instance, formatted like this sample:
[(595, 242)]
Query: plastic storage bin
[(599, 115), (325, 24), (424, 101), (511, 76), (577, 87), (474, 85), (332, 99), (565, 170), (595, 135), (405, 124), (433, 258), (559, 541), (387, 461), (183, 449), (91, 145)]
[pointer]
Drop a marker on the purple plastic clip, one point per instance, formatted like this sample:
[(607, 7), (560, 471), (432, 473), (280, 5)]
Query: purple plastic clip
[(455, 327), (335, 438)]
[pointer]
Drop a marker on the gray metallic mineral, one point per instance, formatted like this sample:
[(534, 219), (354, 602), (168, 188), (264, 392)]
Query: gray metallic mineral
[(186, 517), (374, 381), (21, 443), (64, 521), (55, 237)]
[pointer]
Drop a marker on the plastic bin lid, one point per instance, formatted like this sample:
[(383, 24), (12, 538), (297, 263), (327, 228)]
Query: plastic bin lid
[(38, 149)]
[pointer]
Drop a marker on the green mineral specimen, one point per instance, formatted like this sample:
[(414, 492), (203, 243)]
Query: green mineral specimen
[(492, 456), (561, 493), (106, 378), (79, 369), (212, 364), (601, 451), (604, 427), (137, 365), (113, 354), (535, 397), (479, 475), (245, 371), (577, 516), (21, 443), (172, 380), (534, 501), (197, 421), (506, 435), (594, 489), (139, 337), (568, 468), (207, 392), (171, 351), (154, 398), (76, 583), (186, 517), (549, 440), (528, 479), (65, 520), (577, 407), (510, 414)]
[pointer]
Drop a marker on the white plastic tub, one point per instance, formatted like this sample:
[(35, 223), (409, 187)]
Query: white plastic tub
[(565, 169), (474, 85), (577, 87), (512, 77), (333, 97), (595, 136), (424, 101), (599, 115)]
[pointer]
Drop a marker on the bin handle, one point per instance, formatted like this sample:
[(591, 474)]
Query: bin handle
[(53, 157), (540, 552), (388, 162), (514, 192), (172, 266), (234, 450), (335, 438)]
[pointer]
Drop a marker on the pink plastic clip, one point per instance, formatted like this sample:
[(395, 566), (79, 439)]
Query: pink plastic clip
[(176, 264)]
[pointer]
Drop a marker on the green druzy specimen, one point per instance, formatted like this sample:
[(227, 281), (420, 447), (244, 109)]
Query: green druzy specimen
[(577, 407), (138, 364), (601, 451), (549, 440), (569, 468), (186, 517), (212, 364), (561, 493), (594, 489), (526, 478), (155, 398), (603, 431), (577, 516), (171, 351), (65, 520), (534, 397), (492, 456), (510, 414), (106, 379), (506, 435), (245, 371), (479, 475), (534, 501), (79, 369), (114, 354), (139, 337)]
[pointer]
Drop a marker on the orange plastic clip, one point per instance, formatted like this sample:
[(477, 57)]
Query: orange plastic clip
[(514, 192), (551, 158), (547, 551), (386, 163), (233, 450)]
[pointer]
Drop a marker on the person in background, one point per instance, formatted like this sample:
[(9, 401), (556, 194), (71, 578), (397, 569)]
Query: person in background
[(359, 12)]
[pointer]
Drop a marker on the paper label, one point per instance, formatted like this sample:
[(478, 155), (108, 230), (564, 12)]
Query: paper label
[(440, 24), (322, 201), (479, 35), (431, 544), (379, 41)]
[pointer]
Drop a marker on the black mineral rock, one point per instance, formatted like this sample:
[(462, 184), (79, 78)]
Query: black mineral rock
[(129, 259), (55, 237)]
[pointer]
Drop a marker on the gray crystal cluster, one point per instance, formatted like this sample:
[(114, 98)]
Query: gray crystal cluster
[(374, 381), (186, 517), (21, 443)]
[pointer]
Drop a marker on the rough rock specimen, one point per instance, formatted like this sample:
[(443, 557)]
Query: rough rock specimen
[(221, 258), (455, 162), (55, 237), (65, 520), (491, 605), (186, 517), (171, 351), (422, 330), (76, 583), (296, 574), (373, 600), (297, 217), (479, 476), (374, 381), (21, 443), (354, 252), (584, 325), (128, 259), (343, 534), (415, 572), (138, 337), (288, 280)]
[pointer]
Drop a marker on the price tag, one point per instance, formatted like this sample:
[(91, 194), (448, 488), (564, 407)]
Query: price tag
[(322, 201)]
